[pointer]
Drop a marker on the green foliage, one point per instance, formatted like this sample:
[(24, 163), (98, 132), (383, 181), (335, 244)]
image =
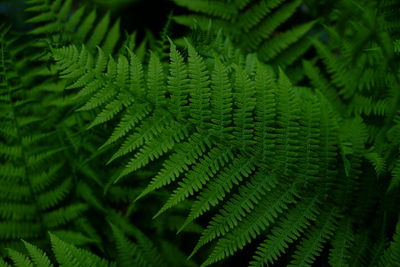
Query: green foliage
[(268, 131), (206, 149), (128, 254), (262, 27), (34, 194), (54, 19)]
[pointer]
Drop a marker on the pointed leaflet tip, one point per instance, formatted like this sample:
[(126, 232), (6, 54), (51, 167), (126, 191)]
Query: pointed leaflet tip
[(185, 223), (194, 251), (161, 211)]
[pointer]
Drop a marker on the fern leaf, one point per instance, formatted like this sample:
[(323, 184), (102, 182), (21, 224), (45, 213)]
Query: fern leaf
[(20, 259), (131, 117), (99, 32), (199, 89), (235, 209), (39, 258), (253, 224), (265, 113), (340, 254), (217, 189), (86, 25), (129, 254), (111, 38), (155, 148), (244, 99), (287, 109), (312, 244), (178, 83), (185, 154), (286, 232), (147, 131), (221, 102), (198, 176), (266, 27), (136, 81), (272, 48), (156, 81), (68, 255)]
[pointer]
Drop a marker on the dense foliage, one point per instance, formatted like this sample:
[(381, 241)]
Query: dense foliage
[(233, 133)]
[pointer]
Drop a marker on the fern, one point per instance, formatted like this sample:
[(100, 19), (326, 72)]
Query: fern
[(98, 135), (54, 19), (66, 255), (34, 195), (207, 121), (254, 26)]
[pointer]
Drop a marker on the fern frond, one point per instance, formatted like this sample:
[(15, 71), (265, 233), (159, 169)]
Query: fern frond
[(252, 25), (199, 175), (240, 121), (129, 253), (33, 193), (39, 258), (244, 100), (286, 232), (217, 189), (221, 102), (185, 154), (199, 88), (59, 21), (68, 255), (178, 84), (272, 48), (341, 244), (312, 244), (257, 221)]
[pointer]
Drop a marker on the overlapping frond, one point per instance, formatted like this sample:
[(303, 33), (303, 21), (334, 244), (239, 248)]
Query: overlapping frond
[(255, 26), (211, 140), (63, 23), (34, 196)]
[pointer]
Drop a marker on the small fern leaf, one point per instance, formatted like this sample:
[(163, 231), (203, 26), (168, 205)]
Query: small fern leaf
[(133, 115), (178, 84), (111, 38), (19, 259), (268, 26), (156, 81), (244, 100), (221, 102), (99, 32), (68, 255), (155, 148), (236, 208), (287, 231), (199, 89), (221, 185), (258, 220), (86, 25), (185, 154), (150, 127), (39, 258), (273, 47), (128, 253), (312, 244), (341, 244), (198, 176)]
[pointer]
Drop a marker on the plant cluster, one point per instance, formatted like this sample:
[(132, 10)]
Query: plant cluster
[(245, 133)]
